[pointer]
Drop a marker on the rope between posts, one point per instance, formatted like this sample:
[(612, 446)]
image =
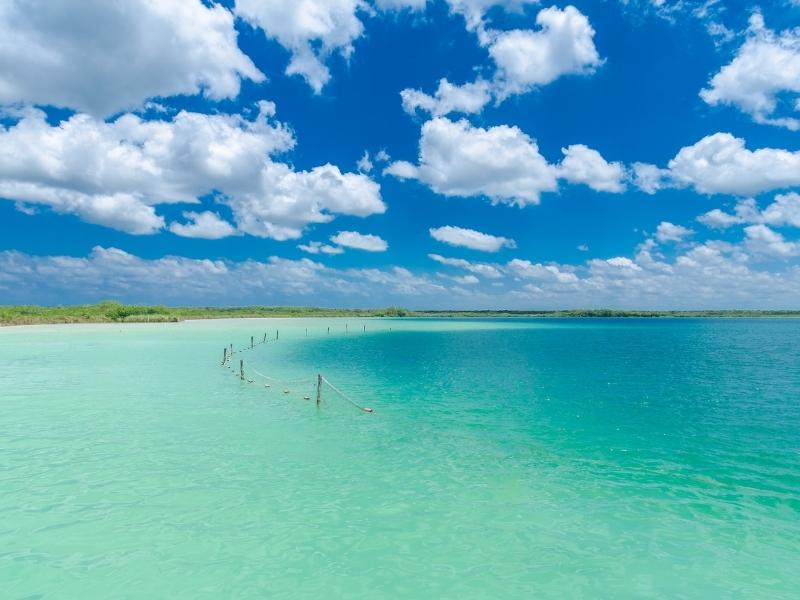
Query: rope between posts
[(346, 397), (268, 378), (227, 362)]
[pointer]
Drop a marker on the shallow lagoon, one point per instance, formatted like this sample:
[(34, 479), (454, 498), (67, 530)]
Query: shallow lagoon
[(505, 458)]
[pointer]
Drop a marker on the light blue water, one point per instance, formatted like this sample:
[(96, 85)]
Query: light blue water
[(504, 459)]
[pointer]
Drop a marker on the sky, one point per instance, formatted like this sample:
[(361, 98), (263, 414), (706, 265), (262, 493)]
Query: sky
[(464, 154)]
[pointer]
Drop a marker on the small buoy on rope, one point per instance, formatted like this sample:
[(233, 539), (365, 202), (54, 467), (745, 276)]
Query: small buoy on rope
[(266, 385), (306, 397), (367, 409), (285, 391)]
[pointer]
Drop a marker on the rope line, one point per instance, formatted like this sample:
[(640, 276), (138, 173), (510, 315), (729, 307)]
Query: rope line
[(227, 362), (346, 397), (288, 381)]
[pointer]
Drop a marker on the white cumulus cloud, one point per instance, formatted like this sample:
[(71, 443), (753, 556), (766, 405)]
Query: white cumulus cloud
[(563, 45), (320, 248), (722, 164), (582, 164), (474, 11), (525, 269), (669, 232), (469, 238), (360, 241), (502, 163), (784, 211), (115, 173), (483, 269), (310, 29), (761, 239), (103, 57), (766, 66), (524, 59), (468, 98), (206, 225)]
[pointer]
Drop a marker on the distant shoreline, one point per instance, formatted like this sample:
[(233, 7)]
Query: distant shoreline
[(115, 312)]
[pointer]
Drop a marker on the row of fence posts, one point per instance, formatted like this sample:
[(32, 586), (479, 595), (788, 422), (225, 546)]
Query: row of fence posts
[(228, 352)]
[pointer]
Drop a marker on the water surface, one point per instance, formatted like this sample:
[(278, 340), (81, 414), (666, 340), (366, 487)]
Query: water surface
[(506, 458)]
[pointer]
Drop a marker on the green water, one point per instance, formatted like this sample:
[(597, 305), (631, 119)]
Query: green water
[(504, 459)]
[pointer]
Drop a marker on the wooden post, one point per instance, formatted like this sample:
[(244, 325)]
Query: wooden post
[(319, 388), (365, 329), (265, 339), (224, 355), (241, 369), (329, 330), (252, 345), (277, 334), (231, 349), (345, 327)]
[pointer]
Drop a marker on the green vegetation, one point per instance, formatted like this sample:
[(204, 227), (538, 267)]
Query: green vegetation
[(115, 312), (607, 312)]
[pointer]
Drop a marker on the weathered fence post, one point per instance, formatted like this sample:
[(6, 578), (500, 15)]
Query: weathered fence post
[(224, 355), (319, 389), (241, 369), (252, 345)]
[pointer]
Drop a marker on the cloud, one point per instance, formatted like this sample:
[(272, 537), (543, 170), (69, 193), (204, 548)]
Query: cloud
[(649, 178), (669, 232), (468, 98), (482, 269), (502, 163), (114, 173), (461, 279), (320, 248), (713, 274), (563, 45), (763, 240), (206, 225), (111, 272), (469, 238), (784, 211), (766, 66), (585, 165), (103, 57), (525, 269), (401, 4), (474, 11), (524, 59), (311, 30), (360, 241), (364, 164), (721, 164), (618, 262)]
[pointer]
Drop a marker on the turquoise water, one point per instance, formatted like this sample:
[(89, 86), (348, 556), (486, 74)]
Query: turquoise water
[(504, 459)]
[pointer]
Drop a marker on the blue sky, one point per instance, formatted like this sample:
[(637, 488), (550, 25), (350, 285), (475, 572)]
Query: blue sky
[(439, 154)]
